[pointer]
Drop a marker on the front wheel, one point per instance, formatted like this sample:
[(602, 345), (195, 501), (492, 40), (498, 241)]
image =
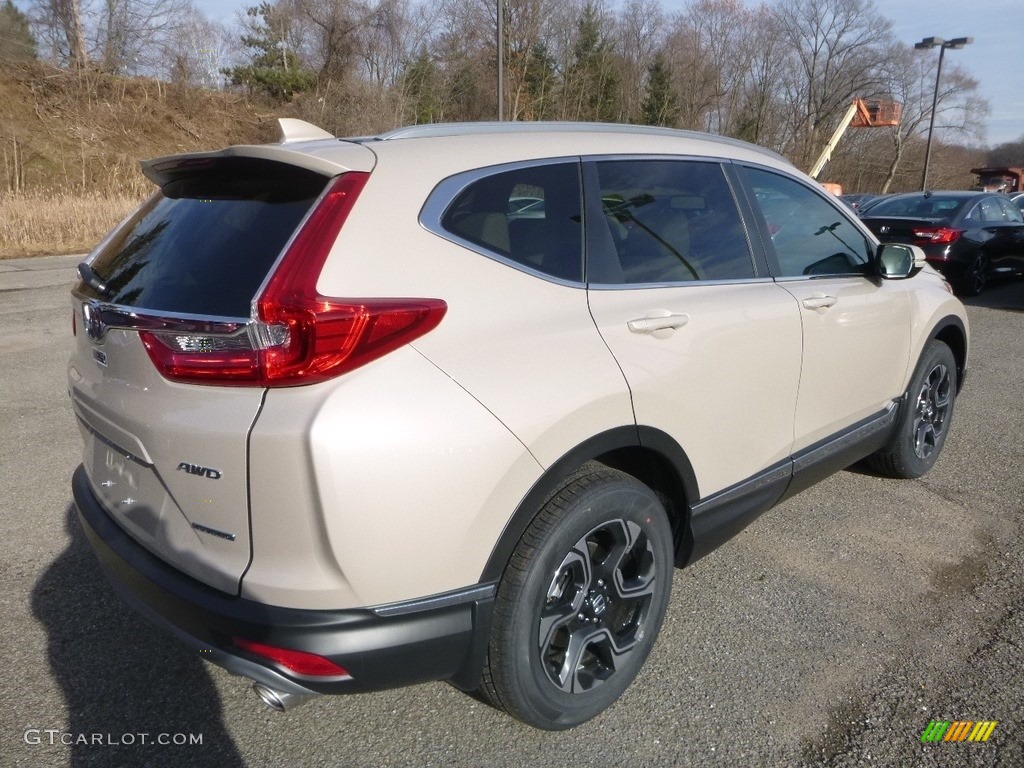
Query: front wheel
[(924, 422), (581, 601)]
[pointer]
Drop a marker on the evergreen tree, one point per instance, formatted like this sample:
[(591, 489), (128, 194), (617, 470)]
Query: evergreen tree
[(539, 80), (592, 85), (659, 106), (276, 70), (422, 83), (16, 40)]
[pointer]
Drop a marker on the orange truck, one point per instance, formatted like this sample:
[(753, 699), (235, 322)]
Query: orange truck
[(1000, 179)]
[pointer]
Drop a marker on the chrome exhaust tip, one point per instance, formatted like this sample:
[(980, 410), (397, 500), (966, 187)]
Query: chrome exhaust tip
[(279, 700)]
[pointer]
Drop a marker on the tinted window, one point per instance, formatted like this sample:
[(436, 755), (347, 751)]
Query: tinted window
[(810, 236), (920, 207), (1010, 213), (668, 221), (991, 213), (204, 245), (529, 215)]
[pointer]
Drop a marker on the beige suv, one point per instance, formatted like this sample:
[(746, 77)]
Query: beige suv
[(450, 403)]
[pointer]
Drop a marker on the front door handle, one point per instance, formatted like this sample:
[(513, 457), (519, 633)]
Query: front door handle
[(658, 323), (819, 301)]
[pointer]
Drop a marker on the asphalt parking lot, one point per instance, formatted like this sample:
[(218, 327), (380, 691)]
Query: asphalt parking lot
[(831, 632)]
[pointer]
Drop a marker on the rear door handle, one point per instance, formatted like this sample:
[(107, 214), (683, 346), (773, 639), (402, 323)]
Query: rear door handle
[(658, 320), (819, 301)]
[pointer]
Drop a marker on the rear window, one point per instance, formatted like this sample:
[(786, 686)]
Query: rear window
[(919, 207), (206, 242)]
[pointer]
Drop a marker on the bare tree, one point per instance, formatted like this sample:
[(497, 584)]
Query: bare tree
[(761, 115), (911, 82), (131, 35), (838, 51), (641, 35), (60, 28), (198, 51)]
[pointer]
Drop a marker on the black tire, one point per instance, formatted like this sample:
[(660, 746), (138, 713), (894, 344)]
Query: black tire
[(581, 601), (924, 421), (975, 277)]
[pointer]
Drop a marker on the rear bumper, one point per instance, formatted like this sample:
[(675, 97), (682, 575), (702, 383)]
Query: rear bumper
[(442, 637)]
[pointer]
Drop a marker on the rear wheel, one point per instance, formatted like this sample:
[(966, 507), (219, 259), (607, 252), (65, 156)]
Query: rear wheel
[(581, 601), (976, 277), (924, 422)]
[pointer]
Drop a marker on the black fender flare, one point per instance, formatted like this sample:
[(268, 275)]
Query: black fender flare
[(617, 438)]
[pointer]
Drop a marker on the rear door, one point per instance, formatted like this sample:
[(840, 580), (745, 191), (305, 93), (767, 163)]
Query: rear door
[(168, 460), (709, 345)]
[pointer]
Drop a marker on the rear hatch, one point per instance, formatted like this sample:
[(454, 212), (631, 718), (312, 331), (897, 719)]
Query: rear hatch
[(899, 229), (166, 335)]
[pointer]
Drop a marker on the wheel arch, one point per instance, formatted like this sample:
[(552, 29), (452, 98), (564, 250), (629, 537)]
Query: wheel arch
[(952, 332), (648, 454)]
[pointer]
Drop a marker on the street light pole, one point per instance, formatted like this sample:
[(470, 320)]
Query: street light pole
[(942, 45), (501, 61)]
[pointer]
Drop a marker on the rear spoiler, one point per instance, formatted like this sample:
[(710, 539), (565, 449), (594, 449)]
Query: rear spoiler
[(302, 145)]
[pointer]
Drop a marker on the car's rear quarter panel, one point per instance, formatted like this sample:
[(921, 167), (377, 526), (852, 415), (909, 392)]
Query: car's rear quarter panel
[(363, 496)]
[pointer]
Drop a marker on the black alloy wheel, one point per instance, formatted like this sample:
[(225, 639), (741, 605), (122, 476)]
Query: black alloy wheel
[(925, 414), (581, 601)]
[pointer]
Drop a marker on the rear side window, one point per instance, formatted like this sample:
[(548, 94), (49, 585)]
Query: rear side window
[(991, 213), (1010, 212), (205, 243), (530, 216)]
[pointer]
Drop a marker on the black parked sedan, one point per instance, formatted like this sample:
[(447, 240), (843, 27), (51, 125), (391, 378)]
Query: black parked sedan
[(968, 236)]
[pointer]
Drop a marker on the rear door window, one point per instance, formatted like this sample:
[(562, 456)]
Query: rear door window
[(667, 221), (204, 244)]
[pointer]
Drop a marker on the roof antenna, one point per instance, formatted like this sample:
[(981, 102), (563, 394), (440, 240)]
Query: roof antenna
[(299, 130)]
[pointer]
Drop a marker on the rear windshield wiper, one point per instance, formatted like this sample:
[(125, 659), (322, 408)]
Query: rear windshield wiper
[(90, 278)]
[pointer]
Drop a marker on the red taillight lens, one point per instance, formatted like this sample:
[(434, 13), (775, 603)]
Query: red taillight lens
[(301, 337), (299, 662), (936, 235)]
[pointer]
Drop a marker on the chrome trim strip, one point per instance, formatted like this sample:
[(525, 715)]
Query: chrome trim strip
[(679, 284), (120, 317)]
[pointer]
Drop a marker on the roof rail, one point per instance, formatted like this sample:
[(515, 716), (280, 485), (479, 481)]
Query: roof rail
[(433, 130)]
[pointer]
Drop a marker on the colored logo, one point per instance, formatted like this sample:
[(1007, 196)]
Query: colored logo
[(958, 730)]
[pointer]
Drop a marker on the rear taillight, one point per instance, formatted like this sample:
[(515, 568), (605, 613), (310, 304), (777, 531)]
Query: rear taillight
[(936, 235), (299, 337), (299, 662)]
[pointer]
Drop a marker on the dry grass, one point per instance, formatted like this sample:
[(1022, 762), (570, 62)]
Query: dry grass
[(36, 224)]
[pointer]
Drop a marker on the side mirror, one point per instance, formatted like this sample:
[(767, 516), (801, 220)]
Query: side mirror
[(896, 262)]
